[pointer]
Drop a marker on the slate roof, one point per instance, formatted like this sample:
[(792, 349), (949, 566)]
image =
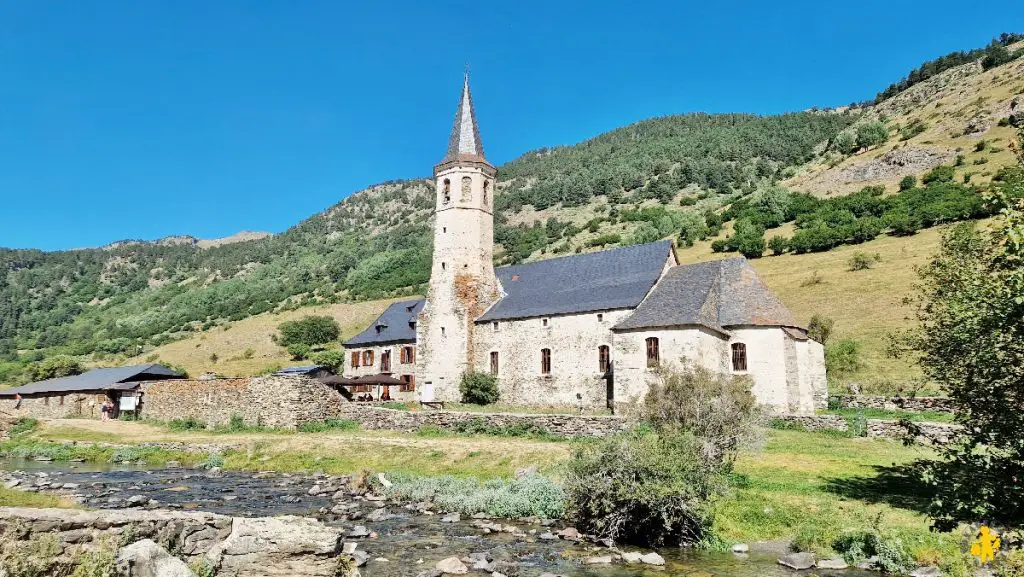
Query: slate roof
[(95, 380), (716, 294), (611, 279), (392, 326), (300, 370), (464, 142)]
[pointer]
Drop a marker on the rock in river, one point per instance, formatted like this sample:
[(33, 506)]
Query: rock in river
[(147, 559), (278, 547), (798, 561), (452, 566)]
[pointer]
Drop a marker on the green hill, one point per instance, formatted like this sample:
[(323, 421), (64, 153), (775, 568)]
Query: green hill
[(682, 177)]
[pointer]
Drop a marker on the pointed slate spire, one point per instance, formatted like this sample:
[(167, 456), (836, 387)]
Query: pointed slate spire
[(464, 143)]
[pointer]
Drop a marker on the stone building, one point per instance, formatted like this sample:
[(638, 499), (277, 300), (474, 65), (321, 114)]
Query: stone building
[(589, 329)]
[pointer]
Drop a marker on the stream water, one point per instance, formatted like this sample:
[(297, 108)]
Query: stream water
[(406, 541)]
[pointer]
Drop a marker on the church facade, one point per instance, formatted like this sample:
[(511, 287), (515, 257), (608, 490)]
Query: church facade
[(589, 329)]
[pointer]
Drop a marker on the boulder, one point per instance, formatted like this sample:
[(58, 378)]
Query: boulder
[(741, 548), (632, 556), (652, 558), (452, 566), (569, 533), (599, 560), (277, 547), (798, 561), (147, 559), (929, 571), (837, 563)]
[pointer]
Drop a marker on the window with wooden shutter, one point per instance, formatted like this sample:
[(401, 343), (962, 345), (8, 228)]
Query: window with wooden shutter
[(355, 359), (603, 358), (385, 361), (653, 355), (494, 363), (545, 361), (367, 358), (739, 357)]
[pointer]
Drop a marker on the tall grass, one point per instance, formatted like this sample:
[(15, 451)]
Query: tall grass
[(531, 495)]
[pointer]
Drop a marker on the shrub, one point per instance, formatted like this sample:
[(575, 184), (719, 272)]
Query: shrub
[(908, 182), (23, 426), (333, 359), (187, 424), (820, 328), (605, 239), (845, 142), (893, 556), (298, 351), (842, 357), (211, 461), (54, 367), (719, 410), (478, 388), (862, 261), (778, 244), (871, 134), (311, 330), (531, 495), (941, 173), (329, 425), (644, 488)]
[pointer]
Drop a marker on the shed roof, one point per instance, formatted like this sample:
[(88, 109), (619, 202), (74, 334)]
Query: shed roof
[(94, 380), (715, 294), (610, 279), (395, 325), (300, 370)]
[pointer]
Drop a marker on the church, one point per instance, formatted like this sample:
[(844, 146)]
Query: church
[(588, 329)]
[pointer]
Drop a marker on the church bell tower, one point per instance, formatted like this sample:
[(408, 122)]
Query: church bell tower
[(462, 281)]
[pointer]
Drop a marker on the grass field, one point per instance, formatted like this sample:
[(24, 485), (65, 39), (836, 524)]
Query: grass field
[(16, 498)]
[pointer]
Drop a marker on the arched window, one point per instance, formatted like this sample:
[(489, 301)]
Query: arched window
[(487, 188), (653, 356), (447, 191), (603, 358), (545, 361), (467, 189), (739, 357)]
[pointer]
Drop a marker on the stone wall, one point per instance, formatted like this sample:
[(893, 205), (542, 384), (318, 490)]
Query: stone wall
[(284, 401), (71, 405), (879, 428), (917, 404), (571, 426)]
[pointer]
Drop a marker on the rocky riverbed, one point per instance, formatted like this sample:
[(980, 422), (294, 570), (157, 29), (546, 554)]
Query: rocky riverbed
[(345, 516)]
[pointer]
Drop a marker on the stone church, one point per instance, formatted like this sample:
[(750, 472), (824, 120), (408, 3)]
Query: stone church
[(587, 329)]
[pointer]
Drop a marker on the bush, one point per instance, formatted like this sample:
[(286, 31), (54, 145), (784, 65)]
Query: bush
[(871, 134), (478, 388), (908, 182), (842, 357), (941, 173), (862, 261), (820, 328), (893, 556), (531, 495), (54, 367), (643, 488), (311, 331), (298, 351), (333, 359), (719, 410), (778, 244), (187, 424)]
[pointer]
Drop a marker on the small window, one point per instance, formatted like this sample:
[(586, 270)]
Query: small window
[(494, 363), (653, 355), (444, 266), (544, 322), (385, 361), (367, 358), (545, 361), (408, 383), (444, 229), (600, 318), (355, 359), (739, 357), (442, 331), (494, 326), (447, 191), (487, 188), (603, 358), (407, 356), (61, 403)]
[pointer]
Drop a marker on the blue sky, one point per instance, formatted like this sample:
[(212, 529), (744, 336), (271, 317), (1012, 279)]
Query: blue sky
[(145, 119)]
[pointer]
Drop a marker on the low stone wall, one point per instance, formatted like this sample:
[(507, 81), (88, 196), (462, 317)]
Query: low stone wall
[(916, 404), (284, 401), (881, 428), (570, 426), (71, 405)]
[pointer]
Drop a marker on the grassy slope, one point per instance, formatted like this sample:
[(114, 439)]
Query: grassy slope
[(230, 343), (809, 486), (866, 305)]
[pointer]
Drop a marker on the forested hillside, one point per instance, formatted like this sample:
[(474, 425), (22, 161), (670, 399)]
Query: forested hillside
[(682, 177)]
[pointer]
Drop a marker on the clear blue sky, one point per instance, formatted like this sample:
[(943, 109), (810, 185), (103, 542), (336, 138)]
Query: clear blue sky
[(145, 119)]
